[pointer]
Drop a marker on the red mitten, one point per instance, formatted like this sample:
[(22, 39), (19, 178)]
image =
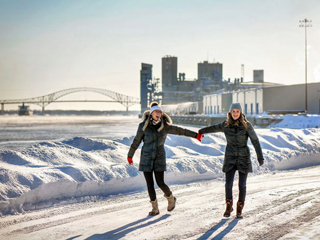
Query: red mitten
[(130, 161), (200, 136)]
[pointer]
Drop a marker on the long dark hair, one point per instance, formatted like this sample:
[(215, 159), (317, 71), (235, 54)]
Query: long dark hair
[(242, 119)]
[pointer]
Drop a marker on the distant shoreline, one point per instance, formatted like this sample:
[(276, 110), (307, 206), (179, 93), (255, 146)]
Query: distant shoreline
[(76, 112)]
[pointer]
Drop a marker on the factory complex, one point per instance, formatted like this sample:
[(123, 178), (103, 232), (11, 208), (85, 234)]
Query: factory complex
[(211, 94)]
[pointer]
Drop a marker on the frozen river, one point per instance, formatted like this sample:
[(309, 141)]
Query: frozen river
[(17, 132)]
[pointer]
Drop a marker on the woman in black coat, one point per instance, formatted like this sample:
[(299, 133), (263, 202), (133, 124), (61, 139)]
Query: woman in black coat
[(237, 154), (153, 131)]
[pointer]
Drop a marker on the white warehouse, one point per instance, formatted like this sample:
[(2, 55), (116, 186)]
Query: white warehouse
[(282, 99)]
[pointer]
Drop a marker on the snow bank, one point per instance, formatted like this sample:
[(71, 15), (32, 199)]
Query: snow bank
[(298, 121), (81, 167)]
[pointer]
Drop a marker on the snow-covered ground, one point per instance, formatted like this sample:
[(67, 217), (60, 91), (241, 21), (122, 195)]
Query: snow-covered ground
[(83, 188), (279, 205)]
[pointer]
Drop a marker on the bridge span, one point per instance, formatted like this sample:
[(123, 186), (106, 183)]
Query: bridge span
[(45, 100)]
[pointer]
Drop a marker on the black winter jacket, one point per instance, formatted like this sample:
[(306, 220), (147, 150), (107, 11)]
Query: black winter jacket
[(237, 152), (153, 155)]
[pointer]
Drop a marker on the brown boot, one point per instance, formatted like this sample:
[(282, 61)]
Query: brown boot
[(155, 209), (171, 202), (229, 208), (240, 206)]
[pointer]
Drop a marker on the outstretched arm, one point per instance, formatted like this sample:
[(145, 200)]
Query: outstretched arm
[(171, 129), (255, 142), (214, 128)]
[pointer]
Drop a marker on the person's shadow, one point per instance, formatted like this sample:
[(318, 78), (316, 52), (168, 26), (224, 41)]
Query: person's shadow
[(208, 233), (124, 230)]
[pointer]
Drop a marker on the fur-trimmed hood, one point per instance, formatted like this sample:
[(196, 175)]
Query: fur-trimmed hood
[(164, 118)]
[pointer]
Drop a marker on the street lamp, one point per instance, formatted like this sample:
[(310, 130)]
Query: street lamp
[(304, 23)]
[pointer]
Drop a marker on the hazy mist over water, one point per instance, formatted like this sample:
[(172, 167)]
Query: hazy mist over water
[(19, 132)]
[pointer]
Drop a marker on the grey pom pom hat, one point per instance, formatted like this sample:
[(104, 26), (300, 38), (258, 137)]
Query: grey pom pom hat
[(235, 106)]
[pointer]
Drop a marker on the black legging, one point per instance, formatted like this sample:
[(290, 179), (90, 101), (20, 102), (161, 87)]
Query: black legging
[(160, 182), (242, 184)]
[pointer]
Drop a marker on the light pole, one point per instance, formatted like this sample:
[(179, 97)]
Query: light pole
[(304, 23)]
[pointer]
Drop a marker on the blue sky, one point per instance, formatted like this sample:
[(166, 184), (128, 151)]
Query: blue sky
[(48, 46)]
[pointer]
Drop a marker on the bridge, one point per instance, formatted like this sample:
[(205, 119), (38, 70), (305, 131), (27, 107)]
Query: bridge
[(45, 100)]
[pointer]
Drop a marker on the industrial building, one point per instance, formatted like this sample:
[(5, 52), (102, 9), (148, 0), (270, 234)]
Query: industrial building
[(148, 87), (258, 76), (270, 99), (177, 89), (211, 94), (169, 73), (145, 79), (212, 71)]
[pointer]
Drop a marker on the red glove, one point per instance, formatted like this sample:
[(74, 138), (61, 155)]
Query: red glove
[(200, 136), (130, 161)]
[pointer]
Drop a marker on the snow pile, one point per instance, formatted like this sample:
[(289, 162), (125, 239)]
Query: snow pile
[(298, 121), (81, 167)]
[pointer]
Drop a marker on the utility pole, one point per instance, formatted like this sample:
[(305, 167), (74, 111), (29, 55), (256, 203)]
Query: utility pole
[(305, 23)]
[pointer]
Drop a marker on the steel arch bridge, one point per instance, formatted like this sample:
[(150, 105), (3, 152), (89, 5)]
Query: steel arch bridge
[(45, 100)]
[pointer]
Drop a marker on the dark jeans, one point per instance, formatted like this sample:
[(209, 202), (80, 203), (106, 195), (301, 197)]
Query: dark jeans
[(242, 184), (160, 182)]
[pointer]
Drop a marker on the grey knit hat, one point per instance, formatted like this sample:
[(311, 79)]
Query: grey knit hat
[(235, 106)]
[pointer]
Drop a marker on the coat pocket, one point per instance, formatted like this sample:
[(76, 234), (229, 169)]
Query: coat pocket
[(145, 158)]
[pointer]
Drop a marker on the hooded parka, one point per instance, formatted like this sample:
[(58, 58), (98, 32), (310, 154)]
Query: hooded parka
[(237, 152), (153, 155)]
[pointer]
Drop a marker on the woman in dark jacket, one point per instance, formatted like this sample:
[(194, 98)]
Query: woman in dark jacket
[(153, 132), (237, 154)]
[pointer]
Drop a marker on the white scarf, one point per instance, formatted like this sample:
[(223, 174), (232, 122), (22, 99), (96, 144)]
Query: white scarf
[(155, 122)]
